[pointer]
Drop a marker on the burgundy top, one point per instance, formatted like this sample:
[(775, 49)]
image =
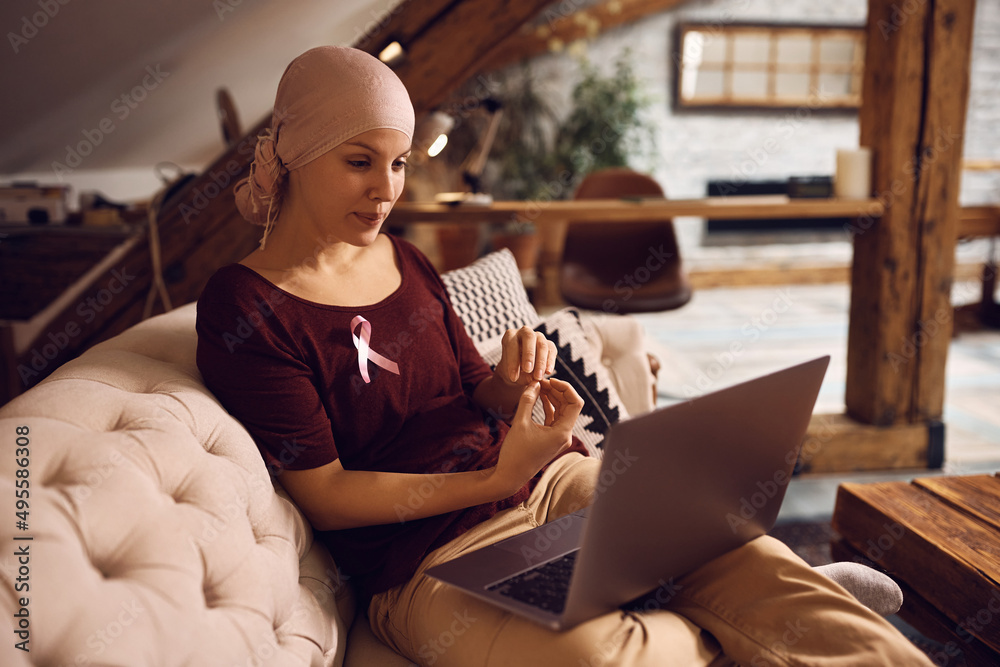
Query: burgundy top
[(287, 369)]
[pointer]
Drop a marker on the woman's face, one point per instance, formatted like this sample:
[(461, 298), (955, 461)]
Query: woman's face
[(346, 193)]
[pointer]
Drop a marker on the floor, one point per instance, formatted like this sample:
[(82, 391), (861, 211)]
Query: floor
[(777, 326)]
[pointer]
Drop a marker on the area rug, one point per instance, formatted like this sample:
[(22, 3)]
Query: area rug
[(811, 541)]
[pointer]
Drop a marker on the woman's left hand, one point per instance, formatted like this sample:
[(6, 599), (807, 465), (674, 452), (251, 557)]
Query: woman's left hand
[(527, 356)]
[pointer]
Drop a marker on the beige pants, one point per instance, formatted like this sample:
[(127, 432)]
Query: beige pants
[(757, 605)]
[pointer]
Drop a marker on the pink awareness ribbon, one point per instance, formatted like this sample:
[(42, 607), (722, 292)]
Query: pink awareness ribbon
[(365, 353)]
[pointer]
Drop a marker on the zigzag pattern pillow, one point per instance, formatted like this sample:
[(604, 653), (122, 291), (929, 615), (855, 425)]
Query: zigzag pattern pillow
[(489, 297)]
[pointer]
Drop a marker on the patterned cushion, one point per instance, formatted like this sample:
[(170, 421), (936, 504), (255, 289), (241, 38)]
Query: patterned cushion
[(578, 365), (489, 297)]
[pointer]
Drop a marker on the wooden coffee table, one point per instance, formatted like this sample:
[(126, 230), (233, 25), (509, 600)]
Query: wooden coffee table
[(939, 537)]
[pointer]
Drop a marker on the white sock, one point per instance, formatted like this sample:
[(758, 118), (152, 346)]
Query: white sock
[(873, 589)]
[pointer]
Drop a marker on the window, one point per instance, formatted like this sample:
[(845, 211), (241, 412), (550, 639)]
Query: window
[(769, 66)]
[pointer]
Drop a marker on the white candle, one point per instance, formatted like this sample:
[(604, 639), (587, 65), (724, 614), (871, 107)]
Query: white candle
[(854, 174)]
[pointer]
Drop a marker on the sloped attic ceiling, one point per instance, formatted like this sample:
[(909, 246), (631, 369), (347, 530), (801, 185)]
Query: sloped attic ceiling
[(123, 84), (137, 79)]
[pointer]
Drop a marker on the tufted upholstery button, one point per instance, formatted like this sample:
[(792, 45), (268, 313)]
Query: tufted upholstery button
[(154, 518)]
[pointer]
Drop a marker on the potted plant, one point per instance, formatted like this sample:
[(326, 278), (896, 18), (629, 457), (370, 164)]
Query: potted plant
[(605, 127), (538, 156)]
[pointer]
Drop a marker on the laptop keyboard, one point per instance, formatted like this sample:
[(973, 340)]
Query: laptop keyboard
[(544, 586)]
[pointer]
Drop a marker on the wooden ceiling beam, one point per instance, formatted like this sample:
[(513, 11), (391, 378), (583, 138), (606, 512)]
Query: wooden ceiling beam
[(404, 23), (449, 49), (563, 27)]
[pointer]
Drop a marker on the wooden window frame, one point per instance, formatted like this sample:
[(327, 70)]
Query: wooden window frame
[(772, 100)]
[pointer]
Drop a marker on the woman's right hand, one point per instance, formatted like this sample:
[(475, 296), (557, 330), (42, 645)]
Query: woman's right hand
[(530, 446), (333, 498)]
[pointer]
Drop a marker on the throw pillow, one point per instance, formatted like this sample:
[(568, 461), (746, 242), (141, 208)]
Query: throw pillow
[(489, 297), (578, 365)]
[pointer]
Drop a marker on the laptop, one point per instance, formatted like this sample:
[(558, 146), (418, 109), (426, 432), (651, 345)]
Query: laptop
[(678, 487)]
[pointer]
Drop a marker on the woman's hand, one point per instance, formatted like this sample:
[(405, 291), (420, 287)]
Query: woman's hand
[(529, 446), (526, 356)]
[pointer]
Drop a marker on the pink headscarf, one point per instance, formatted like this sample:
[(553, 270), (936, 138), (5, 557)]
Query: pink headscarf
[(326, 96)]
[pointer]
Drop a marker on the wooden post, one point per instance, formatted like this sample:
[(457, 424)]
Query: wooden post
[(913, 117)]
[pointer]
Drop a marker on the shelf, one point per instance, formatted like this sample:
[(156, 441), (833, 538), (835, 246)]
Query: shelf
[(974, 221), (624, 210)]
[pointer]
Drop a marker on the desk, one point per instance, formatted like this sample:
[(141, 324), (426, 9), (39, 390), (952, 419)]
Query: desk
[(552, 217), (760, 207), (974, 221)]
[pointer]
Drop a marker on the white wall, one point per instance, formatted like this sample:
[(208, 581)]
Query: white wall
[(982, 126), (696, 147)]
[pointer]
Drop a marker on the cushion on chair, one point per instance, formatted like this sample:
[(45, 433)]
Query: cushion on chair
[(489, 297), (620, 344), (579, 365)]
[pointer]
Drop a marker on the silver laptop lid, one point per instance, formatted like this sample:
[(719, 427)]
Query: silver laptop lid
[(729, 453)]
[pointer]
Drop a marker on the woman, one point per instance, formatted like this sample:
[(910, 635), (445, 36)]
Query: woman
[(406, 460)]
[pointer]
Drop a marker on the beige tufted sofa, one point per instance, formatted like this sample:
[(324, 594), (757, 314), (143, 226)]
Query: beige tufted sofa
[(156, 535)]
